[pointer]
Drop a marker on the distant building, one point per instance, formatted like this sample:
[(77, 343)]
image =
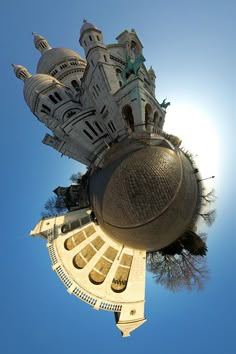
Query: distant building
[(140, 192)]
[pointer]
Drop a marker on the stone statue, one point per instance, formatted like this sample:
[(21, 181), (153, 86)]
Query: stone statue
[(132, 67), (165, 104)]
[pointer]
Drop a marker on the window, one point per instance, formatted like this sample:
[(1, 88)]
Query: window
[(110, 127), (114, 128), (75, 85), (74, 240), (95, 90), (79, 237), (160, 122), (58, 96), (148, 115), (85, 43), (54, 72), (70, 226), (155, 120), (63, 66), (87, 134), (52, 98), (45, 109), (120, 280), (105, 58), (87, 253), (90, 38), (55, 99), (101, 269), (128, 116), (91, 128), (99, 127)]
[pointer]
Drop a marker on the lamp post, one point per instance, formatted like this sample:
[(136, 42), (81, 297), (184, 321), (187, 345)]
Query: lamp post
[(200, 180)]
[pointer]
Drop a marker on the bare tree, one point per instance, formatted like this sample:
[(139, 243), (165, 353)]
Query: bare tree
[(75, 177), (54, 206), (209, 216), (176, 272)]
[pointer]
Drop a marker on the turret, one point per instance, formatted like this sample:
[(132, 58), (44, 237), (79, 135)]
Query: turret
[(90, 37), (21, 72), (152, 78), (132, 43), (41, 43)]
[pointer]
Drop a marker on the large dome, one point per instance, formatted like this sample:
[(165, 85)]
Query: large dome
[(54, 57), (146, 198), (35, 84)]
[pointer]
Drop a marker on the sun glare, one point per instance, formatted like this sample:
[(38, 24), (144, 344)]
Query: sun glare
[(198, 135)]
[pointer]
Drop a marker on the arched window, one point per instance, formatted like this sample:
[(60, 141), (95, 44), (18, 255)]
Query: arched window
[(70, 226), (58, 96), (52, 98), (45, 109), (111, 126), (75, 85), (63, 66), (87, 134), (118, 72), (120, 280), (101, 269), (99, 127), (128, 117), (79, 237), (155, 119), (87, 253), (148, 115), (54, 72), (74, 240), (160, 123), (91, 128), (134, 49)]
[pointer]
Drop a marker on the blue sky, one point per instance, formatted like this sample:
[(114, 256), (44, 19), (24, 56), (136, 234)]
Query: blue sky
[(191, 46)]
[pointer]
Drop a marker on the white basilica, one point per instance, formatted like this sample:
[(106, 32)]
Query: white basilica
[(89, 105)]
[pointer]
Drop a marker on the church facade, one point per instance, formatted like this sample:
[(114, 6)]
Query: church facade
[(88, 104)]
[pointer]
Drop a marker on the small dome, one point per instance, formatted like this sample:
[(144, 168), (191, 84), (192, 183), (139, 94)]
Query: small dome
[(21, 72), (55, 56), (40, 43), (35, 84), (86, 26)]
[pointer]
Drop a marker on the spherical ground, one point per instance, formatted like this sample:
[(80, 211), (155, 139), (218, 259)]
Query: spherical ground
[(144, 196)]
